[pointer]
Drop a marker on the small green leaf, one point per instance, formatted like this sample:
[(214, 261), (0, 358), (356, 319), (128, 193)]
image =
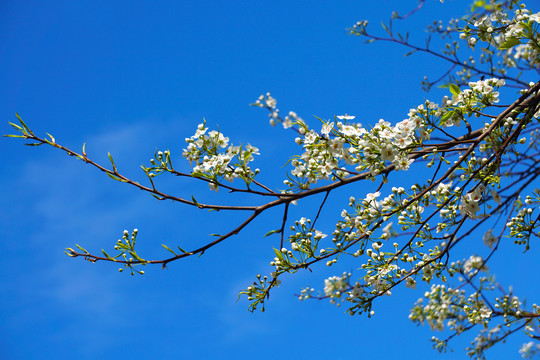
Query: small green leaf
[(182, 250), (510, 43), (167, 248), (14, 136), (385, 27), (527, 26), (112, 162), (478, 4), (409, 53), (33, 144), (114, 177), (70, 252), (107, 255), (82, 249), (137, 257), (454, 89), (280, 256), (52, 138), (16, 126), (447, 116), (272, 232)]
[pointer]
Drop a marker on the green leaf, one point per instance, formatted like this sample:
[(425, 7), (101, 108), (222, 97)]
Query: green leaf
[(166, 247), (107, 255), (82, 249), (16, 126), (33, 144), (112, 161), (478, 4), (385, 27), (447, 116), (137, 257), (280, 256), (527, 26), (409, 53), (182, 250), (510, 43), (454, 89), (22, 122), (14, 136), (114, 177), (272, 232), (52, 138)]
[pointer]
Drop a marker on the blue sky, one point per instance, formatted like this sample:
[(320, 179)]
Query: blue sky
[(127, 77)]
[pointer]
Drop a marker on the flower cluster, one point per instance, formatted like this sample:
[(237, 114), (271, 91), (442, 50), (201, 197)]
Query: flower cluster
[(517, 36), (215, 159), (474, 264), (480, 94), (469, 203), (334, 286), (522, 226), (342, 143), (529, 350), (489, 239), (443, 306), (451, 307)]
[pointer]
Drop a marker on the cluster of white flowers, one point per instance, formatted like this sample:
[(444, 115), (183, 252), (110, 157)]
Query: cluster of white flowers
[(341, 143), (215, 158), (522, 225), (473, 264), (359, 28), (378, 278), (521, 28), (356, 292), (391, 143), (269, 102), (351, 144), (513, 35), (305, 239), (450, 307), (529, 350), (442, 303), (334, 286), (469, 203), (483, 340), (489, 239), (306, 293), (479, 95), (484, 88)]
